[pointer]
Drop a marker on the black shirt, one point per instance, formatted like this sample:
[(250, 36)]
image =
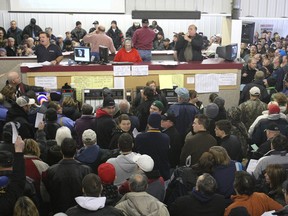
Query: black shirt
[(47, 54)]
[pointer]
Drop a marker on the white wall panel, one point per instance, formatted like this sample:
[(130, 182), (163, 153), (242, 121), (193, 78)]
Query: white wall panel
[(245, 5), (262, 8)]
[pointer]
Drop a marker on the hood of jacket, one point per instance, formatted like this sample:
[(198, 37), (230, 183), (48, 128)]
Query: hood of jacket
[(91, 203), (88, 154), (100, 113), (203, 198), (127, 162), (141, 203)]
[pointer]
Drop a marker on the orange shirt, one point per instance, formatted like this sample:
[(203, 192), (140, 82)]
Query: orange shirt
[(256, 204), (124, 56)]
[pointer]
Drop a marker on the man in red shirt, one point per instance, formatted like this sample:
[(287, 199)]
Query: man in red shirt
[(143, 40)]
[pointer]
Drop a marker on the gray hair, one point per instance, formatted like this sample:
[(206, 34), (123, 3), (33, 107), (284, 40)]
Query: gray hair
[(62, 133), (138, 182), (124, 106), (206, 184)]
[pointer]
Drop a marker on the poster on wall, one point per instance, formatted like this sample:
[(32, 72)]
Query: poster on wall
[(267, 27)]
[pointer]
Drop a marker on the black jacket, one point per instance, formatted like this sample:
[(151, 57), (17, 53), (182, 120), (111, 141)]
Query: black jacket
[(198, 204), (17, 114), (104, 128), (245, 95), (15, 188), (107, 210), (233, 147), (176, 144), (28, 30), (197, 44), (64, 182)]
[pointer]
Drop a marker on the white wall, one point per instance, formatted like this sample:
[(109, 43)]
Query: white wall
[(209, 23), (60, 23)]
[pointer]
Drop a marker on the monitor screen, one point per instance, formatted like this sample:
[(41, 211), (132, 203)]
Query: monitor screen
[(228, 52), (103, 54), (82, 54)]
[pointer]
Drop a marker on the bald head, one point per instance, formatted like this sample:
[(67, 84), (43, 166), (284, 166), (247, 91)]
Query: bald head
[(101, 28), (13, 78)]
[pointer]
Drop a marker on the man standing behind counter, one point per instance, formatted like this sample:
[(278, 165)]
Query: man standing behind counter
[(143, 40), (46, 51), (97, 38), (188, 46)]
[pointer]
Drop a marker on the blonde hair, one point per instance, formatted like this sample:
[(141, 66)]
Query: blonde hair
[(25, 206), (220, 155), (31, 147), (69, 101)]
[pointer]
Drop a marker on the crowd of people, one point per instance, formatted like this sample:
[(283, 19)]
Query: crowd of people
[(148, 157), (144, 158)]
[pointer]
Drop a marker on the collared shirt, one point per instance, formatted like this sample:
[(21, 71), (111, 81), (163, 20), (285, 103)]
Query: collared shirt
[(47, 54), (143, 38)]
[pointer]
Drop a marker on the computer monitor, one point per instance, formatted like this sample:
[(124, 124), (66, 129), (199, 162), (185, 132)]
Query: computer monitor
[(103, 54), (228, 52), (82, 54)]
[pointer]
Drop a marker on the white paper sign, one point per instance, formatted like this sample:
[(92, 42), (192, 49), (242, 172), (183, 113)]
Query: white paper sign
[(139, 70), (14, 132), (190, 80), (227, 79), (206, 83), (123, 70), (119, 83), (39, 118), (46, 82)]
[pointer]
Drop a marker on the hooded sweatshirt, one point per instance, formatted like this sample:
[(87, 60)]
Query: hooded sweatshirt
[(92, 206), (125, 166)]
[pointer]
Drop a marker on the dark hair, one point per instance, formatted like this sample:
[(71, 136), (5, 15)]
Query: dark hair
[(138, 182), (212, 97), (47, 35), (148, 92), (122, 117), (125, 142), (87, 109), (224, 125), (205, 164), (68, 147), (279, 143), (91, 185), (277, 175), (192, 94), (51, 114), (206, 184), (203, 120), (244, 183)]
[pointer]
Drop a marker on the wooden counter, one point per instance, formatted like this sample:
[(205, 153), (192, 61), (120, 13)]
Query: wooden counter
[(215, 66)]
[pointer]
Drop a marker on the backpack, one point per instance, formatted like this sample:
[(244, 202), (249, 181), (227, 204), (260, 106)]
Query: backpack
[(181, 183)]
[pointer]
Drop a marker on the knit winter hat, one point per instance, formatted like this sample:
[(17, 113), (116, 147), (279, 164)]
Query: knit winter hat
[(108, 101), (158, 104), (107, 173), (154, 120), (145, 163), (51, 114), (42, 98), (4, 180), (273, 109), (219, 101), (211, 110)]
